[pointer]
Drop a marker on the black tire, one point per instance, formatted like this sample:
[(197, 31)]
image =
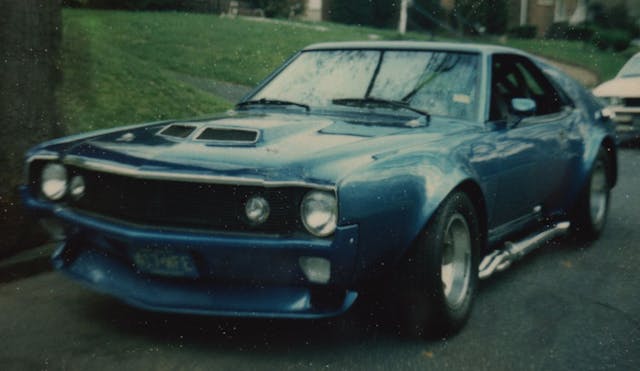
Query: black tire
[(590, 214), (431, 306)]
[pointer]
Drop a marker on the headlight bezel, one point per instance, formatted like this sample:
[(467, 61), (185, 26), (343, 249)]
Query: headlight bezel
[(328, 203)]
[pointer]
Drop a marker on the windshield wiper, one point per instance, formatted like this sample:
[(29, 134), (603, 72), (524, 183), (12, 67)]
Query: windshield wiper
[(371, 101), (274, 102)]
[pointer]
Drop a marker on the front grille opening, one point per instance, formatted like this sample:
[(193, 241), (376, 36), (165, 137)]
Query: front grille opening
[(178, 131), (632, 102), (175, 204), (228, 135)]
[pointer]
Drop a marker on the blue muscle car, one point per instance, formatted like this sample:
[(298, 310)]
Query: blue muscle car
[(421, 166)]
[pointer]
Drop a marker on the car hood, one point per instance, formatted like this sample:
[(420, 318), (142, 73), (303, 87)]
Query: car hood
[(628, 87), (288, 146)]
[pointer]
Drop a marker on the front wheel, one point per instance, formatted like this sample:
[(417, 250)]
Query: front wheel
[(590, 215), (442, 271)]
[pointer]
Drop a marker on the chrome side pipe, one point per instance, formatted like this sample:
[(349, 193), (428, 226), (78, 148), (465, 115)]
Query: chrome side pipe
[(500, 260)]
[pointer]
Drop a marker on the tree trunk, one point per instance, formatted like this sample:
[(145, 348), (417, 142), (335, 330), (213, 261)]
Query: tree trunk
[(30, 35)]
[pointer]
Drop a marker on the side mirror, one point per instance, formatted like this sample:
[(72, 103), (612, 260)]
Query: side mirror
[(523, 107)]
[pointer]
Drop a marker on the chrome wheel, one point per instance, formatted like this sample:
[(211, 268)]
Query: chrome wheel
[(598, 194), (440, 275), (456, 260)]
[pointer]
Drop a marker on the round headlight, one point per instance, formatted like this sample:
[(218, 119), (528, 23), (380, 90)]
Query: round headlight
[(77, 187), (54, 181), (257, 210), (319, 212)]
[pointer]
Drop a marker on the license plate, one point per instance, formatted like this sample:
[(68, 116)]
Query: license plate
[(165, 262)]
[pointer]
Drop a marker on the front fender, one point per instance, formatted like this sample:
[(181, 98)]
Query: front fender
[(391, 202)]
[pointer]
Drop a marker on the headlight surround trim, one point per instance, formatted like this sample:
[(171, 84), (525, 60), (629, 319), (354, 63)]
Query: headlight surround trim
[(319, 213)]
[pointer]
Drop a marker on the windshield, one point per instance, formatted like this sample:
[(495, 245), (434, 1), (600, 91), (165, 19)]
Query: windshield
[(440, 83), (631, 68)]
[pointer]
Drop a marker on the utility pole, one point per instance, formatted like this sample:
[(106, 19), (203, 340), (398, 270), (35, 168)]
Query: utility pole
[(402, 24)]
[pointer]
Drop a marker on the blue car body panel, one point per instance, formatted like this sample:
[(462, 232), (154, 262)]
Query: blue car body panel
[(389, 180)]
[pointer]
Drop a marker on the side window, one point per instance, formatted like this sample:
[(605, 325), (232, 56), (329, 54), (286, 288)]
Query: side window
[(517, 77)]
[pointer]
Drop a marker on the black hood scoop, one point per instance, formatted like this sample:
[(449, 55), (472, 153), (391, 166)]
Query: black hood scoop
[(178, 130), (216, 135), (231, 135)]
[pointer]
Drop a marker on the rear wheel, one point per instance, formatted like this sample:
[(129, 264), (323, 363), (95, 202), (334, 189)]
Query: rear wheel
[(442, 272), (591, 211)]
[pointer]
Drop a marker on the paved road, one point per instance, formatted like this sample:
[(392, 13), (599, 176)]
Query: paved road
[(566, 306)]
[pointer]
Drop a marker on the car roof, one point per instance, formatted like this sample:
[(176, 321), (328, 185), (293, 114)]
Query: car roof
[(413, 45)]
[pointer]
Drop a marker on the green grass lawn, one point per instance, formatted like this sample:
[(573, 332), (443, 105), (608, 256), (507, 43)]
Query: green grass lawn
[(128, 67)]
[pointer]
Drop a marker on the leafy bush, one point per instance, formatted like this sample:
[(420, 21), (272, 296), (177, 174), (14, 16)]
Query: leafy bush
[(427, 14), (566, 31), (557, 31), (603, 38), (279, 8), (580, 32), (74, 3), (380, 13), (616, 40), (129, 5), (615, 17), (490, 15), (271, 8), (527, 31)]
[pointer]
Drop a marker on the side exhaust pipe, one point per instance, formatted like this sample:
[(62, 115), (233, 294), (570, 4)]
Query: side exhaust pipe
[(500, 260)]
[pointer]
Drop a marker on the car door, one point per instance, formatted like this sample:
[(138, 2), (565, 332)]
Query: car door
[(534, 150)]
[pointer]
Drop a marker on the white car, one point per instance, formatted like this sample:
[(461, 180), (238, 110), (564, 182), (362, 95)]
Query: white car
[(622, 97)]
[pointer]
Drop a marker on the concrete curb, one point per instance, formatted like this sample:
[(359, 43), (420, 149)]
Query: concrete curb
[(27, 263)]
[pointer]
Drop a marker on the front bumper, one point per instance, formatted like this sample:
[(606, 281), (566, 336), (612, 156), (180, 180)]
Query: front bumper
[(238, 274)]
